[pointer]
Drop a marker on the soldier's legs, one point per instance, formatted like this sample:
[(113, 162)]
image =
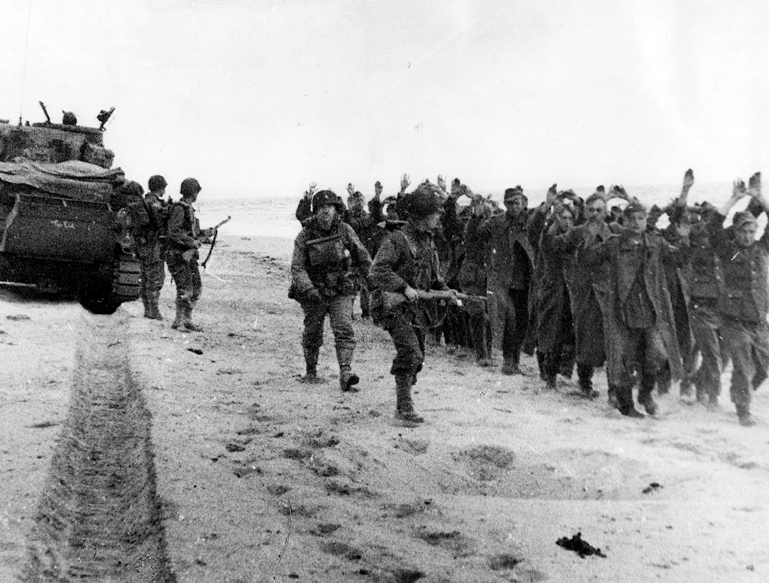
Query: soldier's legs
[(143, 287), (312, 337), (738, 339), (625, 379), (506, 315), (340, 315), (409, 347), (197, 289), (155, 274), (516, 318), (761, 356), (705, 327), (481, 337), (648, 368), (585, 376), (182, 276), (365, 301), (521, 304)]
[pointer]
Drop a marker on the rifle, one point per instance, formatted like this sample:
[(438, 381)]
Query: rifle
[(392, 299), (190, 253)]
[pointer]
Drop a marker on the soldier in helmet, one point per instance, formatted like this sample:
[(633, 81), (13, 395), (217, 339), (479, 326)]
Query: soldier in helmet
[(150, 247), (407, 262), (184, 236), (326, 253)]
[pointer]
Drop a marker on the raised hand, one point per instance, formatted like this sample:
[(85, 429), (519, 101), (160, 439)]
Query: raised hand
[(754, 185), (552, 195), (350, 188), (687, 184), (738, 189), (405, 182), (311, 190), (478, 203), (618, 191), (688, 179), (754, 189), (442, 183)]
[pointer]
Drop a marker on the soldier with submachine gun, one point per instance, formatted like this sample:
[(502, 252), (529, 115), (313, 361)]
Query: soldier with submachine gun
[(184, 239)]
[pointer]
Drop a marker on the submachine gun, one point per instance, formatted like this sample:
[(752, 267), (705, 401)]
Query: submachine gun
[(432, 306), (392, 299), (190, 253)]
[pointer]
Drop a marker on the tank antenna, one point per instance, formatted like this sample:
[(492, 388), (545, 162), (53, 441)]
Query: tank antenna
[(24, 69)]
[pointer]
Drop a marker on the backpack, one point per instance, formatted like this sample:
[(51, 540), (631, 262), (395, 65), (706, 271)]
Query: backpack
[(138, 215)]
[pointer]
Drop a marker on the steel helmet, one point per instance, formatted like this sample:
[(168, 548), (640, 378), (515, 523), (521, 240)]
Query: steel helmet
[(324, 197), (423, 202), (157, 182), (189, 187)]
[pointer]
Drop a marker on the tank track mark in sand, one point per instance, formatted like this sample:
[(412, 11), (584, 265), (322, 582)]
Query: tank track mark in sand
[(99, 517)]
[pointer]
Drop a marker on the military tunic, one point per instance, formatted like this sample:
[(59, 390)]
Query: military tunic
[(183, 233), (325, 261), (407, 258), (510, 279), (743, 305), (150, 248), (638, 317)]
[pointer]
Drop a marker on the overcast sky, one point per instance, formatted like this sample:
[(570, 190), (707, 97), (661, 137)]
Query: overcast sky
[(263, 97)]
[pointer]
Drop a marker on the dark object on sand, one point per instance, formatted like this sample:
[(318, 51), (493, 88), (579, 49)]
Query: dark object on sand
[(579, 546), (195, 350), (651, 487), (60, 226)]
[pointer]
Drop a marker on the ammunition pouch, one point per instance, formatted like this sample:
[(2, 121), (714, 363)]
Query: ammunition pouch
[(326, 251), (336, 283), (377, 307)]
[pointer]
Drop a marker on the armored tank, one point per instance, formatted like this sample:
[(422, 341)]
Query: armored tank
[(60, 213)]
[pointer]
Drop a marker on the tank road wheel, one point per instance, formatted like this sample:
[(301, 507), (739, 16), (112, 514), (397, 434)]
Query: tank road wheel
[(103, 295), (96, 296), (127, 278)]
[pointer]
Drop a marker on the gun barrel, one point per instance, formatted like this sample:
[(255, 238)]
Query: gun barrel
[(45, 111)]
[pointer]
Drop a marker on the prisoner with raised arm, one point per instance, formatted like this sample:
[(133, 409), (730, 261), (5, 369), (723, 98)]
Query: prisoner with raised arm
[(744, 300)]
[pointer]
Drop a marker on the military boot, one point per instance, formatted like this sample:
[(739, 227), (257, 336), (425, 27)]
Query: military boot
[(146, 303), (625, 400), (347, 379), (743, 414), (179, 320), (510, 366), (311, 362), (404, 409), (645, 395), (188, 319), (612, 397), (154, 307), (585, 376), (713, 401)]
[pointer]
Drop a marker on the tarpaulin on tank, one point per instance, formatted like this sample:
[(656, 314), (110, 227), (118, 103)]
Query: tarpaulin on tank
[(72, 179)]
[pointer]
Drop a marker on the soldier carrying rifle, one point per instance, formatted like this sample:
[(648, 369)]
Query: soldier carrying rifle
[(184, 235), (406, 264)]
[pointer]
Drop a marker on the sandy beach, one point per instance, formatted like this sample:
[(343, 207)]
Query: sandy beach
[(131, 452)]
